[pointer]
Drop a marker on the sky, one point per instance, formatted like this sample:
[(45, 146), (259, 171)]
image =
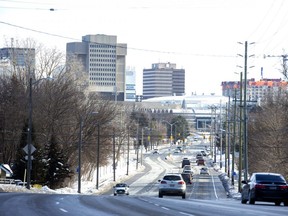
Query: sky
[(204, 37)]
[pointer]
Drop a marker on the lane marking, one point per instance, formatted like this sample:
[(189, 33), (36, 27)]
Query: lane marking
[(165, 208), (186, 214), (214, 187), (63, 210)]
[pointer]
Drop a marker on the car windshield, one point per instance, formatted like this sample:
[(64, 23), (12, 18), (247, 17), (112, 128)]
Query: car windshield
[(269, 178), (120, 185), (172, 178)]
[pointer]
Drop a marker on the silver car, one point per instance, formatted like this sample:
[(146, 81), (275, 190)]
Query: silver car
[(173, 185), (121, 188)]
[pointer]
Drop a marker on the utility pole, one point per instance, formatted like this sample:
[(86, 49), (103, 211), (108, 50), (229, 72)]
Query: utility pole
[(245, 111)]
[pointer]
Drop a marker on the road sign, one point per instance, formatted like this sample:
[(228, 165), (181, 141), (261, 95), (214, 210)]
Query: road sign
[(26, 149)]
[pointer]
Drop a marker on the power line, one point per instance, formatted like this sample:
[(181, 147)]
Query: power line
[(131, 48)]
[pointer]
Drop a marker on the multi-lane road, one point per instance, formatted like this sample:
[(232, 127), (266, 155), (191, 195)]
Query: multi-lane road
[(206, 195)]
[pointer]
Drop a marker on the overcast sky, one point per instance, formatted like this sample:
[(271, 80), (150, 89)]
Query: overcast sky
[(200, 36)]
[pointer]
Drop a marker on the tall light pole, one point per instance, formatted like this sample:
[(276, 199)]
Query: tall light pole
[(171, 126), (79, 154), (30, 147), (29, 137), (98, 155)]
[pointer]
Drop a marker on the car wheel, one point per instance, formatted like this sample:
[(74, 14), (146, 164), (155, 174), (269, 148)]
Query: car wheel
[(285, 202), (277, 203), (160, 195), (243, 201), (127, 194), (183, 196), (115, 194), (251, 200)]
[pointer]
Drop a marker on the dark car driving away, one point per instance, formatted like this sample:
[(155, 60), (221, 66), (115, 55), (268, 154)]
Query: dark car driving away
[(266, 187)]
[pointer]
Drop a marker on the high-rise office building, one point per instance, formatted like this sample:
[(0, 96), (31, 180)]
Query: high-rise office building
[(130, 91), (104, 60), (163, 79)]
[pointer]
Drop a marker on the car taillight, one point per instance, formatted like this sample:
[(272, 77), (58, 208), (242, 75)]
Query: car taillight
[(163, 182), (181, 182), (283, 187), (260, 186)]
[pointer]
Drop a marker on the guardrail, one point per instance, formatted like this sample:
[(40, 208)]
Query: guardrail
[(7, 181)]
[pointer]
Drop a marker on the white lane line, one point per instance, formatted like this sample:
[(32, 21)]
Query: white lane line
[(63, 210), (186, 214), (214, 187), (165, 208)]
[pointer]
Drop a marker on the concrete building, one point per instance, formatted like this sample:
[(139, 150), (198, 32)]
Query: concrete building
[(198, 110), (255, 89), (163, 79), (130, 89), (105, 61), (20, 61)]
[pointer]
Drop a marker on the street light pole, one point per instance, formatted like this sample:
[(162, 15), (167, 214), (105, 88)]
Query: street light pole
[(171, 126), (30, 147), (128, 149), (79, 155), (98, 155), (29, 137)]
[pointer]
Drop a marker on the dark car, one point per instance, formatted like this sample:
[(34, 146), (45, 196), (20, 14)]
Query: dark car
[(200, 161), (185, 162), (187, 177), (266, 187)]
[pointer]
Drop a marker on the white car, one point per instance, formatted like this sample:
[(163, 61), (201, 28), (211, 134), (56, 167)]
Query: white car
[(121, 188), (172, 184), (204, 171)]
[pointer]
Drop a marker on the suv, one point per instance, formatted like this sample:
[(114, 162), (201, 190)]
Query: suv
[(172, 184), (267, 187), (187, 177), (185, 162), (121, 188), (200, 162)]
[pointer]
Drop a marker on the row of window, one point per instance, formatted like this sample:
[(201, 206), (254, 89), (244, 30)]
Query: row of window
[(102, 74), (103, 55), (103, 69), (103, 83), (102, 78), (102, 60), (102, 65), (102, 46)]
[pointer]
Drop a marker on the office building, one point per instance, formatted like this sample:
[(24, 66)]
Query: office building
[(19, 61), (130, 90), (104, 60), (163, 79)]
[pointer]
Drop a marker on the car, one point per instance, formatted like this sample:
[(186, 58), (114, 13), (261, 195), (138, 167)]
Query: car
[(172, 184), (156, 151), (185, 162), (204, 171), (200, 162), (121, 188), (265, 187), (176, 151), (203, 153), (199, 155), (187, 177), (187, 168)]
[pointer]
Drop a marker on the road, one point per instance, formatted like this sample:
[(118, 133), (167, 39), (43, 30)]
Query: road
[(206, 196)]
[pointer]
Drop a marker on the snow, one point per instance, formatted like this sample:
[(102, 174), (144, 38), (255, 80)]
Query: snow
[(89, 188)]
